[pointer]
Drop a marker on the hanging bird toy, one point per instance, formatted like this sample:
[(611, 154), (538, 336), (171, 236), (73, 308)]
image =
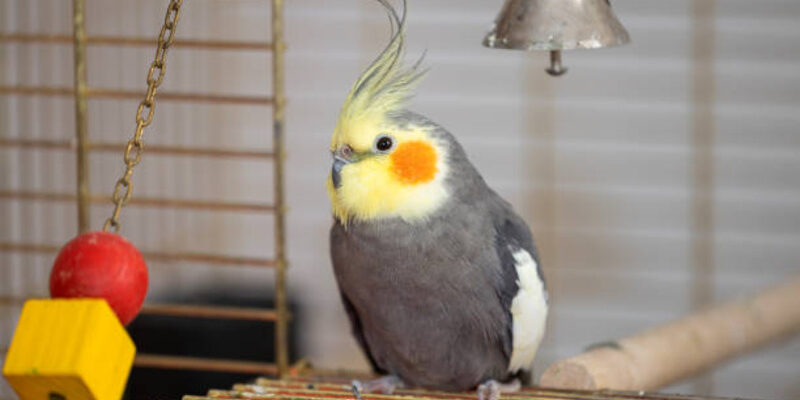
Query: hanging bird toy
[(74, 346)]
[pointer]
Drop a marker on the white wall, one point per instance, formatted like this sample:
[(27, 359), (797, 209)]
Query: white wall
[(598, 161)]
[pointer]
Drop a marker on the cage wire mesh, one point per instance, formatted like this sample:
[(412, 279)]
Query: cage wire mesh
[(68, 98)]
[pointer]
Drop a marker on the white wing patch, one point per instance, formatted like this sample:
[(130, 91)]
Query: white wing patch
[(528, 312)]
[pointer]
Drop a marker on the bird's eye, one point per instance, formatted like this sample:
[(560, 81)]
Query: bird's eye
[(384, 143)]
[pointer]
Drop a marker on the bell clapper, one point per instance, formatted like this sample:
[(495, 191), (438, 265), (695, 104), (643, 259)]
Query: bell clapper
[(556, 68)]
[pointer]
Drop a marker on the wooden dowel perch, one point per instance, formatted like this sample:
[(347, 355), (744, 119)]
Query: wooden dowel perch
[(683, 348)]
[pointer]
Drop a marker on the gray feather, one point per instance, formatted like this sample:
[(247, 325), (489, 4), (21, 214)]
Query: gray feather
[(358, 333)]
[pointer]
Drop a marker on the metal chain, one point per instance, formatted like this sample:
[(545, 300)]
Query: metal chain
[(144, 114)]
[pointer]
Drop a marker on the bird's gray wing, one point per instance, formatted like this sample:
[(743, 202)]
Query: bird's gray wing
[(511, 234), (358, 332)]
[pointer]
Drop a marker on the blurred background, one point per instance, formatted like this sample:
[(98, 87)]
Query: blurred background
[(657, 177)]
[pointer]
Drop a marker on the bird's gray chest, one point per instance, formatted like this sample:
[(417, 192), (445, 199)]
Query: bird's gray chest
[(419, 291), (389, 273)]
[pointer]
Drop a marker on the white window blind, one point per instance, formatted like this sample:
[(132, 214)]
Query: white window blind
[(600, 162)]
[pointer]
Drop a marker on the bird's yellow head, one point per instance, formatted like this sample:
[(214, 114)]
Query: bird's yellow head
[(385, 165)]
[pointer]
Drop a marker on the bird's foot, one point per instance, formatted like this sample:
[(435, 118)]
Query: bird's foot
[(385, 385), (491, 389)]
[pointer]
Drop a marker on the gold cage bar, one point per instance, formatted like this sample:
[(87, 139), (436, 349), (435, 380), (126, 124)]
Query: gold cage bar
[(185, 310), (106, 93), (81, 109), (153, 202), (212, 312), (136, 41), (203, 364), (206, 258), (169, 150), (278, 116)]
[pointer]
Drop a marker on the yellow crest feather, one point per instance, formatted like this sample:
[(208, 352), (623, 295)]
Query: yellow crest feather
[(386, 84)]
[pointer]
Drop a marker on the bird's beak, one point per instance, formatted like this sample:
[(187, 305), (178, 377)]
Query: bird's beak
[(336, 170), (342, 156)]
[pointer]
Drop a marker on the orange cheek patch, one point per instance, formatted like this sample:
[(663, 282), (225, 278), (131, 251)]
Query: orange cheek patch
[(414, 162)]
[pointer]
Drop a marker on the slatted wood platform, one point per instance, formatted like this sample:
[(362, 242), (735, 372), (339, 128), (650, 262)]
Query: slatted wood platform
[(340, 388)]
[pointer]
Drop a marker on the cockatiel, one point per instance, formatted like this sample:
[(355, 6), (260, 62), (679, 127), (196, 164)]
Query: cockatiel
[(439, 276)]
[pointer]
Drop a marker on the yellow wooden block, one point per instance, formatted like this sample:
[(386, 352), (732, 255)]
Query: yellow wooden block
[(75, 348)]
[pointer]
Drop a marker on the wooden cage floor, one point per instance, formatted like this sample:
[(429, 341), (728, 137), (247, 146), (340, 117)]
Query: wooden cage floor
[(327, 388)]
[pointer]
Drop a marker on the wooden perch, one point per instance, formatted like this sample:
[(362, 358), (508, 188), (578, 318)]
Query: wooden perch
[(683, 348)]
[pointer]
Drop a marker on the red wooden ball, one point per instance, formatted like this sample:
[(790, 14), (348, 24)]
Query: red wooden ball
[(105, 265)]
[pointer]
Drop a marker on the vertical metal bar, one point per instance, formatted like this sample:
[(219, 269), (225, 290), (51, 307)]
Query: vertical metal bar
[(703, 132), (281, 306), (79, 47)]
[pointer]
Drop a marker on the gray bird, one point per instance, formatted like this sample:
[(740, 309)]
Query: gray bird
[(438, 274)]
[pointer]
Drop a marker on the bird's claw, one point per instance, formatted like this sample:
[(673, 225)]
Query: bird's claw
[(385, 385), (356, 387), (491, 389)]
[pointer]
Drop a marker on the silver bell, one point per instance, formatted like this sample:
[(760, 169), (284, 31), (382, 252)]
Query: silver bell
[(556, 25)]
